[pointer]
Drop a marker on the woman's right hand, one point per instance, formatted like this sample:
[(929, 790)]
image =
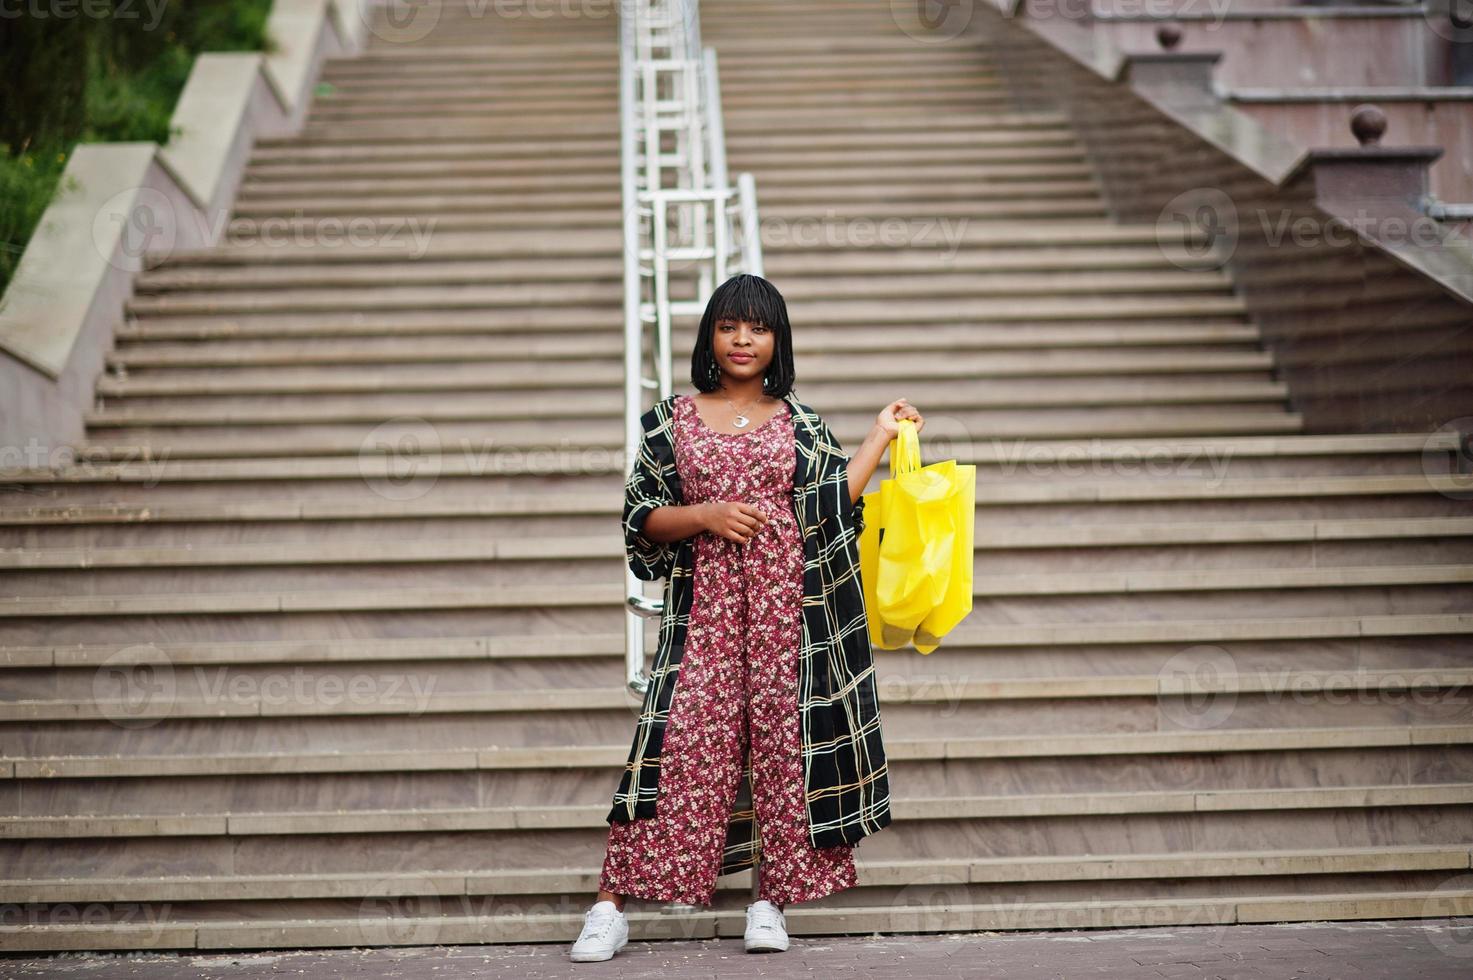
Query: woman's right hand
[(733, 520)]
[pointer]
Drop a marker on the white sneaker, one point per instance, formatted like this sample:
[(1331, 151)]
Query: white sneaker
[(767, 929), (605, 931)]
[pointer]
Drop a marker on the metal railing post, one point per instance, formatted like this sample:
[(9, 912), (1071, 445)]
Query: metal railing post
[(679, 208)]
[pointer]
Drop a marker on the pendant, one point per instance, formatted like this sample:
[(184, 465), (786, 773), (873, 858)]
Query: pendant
[(741, 421)]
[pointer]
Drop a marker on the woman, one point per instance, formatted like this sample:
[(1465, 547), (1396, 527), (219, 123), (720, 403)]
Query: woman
[(744, 500)]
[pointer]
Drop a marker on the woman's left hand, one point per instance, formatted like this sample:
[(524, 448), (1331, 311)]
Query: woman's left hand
[(888, 419)]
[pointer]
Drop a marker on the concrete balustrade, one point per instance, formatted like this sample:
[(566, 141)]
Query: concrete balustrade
[(117, 202)]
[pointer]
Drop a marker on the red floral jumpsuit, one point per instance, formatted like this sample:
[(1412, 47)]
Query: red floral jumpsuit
[(738, 688)]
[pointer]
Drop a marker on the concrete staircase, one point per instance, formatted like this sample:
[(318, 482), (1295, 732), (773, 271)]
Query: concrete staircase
[(320, 645)]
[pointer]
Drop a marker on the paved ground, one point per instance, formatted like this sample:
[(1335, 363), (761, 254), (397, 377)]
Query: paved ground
[(1394, 950)]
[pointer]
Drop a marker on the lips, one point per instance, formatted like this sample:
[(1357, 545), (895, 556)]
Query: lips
[(740, 358)]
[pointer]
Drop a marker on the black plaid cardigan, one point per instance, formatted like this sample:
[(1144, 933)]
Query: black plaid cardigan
[(845, 773)]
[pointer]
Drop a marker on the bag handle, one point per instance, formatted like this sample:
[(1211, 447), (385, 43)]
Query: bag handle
[(905, 449)]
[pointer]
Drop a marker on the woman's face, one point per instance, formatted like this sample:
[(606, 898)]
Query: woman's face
[(743, 349)]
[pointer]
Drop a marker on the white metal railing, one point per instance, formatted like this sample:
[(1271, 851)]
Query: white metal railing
[(681, 217)]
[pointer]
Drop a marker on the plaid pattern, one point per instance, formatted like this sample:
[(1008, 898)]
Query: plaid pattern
[(846, 777)]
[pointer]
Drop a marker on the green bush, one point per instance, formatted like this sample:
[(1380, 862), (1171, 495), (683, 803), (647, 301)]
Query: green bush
[(70, 77)]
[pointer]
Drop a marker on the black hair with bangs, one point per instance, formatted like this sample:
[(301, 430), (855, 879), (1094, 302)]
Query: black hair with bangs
[(754, 299)]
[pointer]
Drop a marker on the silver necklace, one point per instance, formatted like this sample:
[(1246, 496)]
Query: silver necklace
[(741, 419)]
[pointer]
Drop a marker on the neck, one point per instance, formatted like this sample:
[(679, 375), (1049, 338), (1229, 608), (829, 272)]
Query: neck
[(743, 392)]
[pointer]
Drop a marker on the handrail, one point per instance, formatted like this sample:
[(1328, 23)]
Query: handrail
[(680, 211)]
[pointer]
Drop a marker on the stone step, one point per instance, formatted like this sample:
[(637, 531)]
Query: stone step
[(1063, 634), (388, 550), (494, 163), (449, 216), (1062, 459), (561, 161), (428, 107), (978, 180), (552, 342), (428, 82), (556, 333), (1021, 135), (329, 188), (409, 923), (509, 107), (447, 404), (597, 148), (447, 741), (907, 751), (384, 205), (573, 817), (1016, 135), (1039, 246), (287, 563), (985, 587), (1041, 457), (828, 217), (497, 448), (368, 271), (472, 881), (579, 127), (738, 123), (524, 369), (407, 231), (939, 281), (488, 247)]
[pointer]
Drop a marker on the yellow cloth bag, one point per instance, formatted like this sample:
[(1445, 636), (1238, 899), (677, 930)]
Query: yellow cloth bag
[(915, 553)]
